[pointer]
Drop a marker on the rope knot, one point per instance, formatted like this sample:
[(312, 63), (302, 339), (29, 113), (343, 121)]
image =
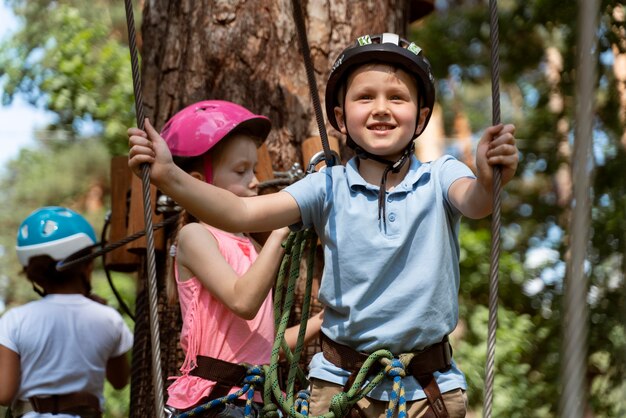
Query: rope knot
[(339, 405), (395, 369), (254, 375), (270, 410), (302, 402)]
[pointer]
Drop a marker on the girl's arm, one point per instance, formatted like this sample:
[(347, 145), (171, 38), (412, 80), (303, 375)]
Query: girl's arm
[(10, 372), (210, 204), (474, 197), (198, 255)]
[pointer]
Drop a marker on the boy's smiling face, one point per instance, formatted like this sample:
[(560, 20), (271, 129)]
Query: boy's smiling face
[(381, 109)]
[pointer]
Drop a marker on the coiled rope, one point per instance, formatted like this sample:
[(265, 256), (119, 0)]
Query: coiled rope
[(296, 406)]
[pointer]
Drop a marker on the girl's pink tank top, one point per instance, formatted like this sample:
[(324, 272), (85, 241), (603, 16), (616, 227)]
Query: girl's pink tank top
[(211, 329)]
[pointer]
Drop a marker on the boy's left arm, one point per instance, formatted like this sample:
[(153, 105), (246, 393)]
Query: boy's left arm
[(474, 197)]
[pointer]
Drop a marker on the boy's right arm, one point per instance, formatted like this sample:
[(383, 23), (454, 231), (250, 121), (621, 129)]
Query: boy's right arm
[(213, 205)]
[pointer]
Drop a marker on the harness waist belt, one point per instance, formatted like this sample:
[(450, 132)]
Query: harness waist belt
[(434, 358), (75, 403), (224, 372)]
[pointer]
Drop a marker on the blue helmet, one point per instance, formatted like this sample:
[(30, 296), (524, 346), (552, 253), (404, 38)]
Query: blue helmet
[(54, 231)]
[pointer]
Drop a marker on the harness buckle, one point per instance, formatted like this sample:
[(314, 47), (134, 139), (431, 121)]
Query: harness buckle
[(447, 352)]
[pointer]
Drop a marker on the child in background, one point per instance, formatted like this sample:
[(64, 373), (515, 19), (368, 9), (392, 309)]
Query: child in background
[(388, 223), (223, 284), (56, 352)]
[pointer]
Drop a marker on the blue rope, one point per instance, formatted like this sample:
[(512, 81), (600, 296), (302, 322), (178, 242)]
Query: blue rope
[(396, 370), (254, 379), (302, 402)]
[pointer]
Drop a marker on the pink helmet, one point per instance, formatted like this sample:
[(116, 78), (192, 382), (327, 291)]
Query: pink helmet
[(195, 129)]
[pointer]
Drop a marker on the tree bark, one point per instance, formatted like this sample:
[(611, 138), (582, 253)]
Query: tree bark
[(247, 52)]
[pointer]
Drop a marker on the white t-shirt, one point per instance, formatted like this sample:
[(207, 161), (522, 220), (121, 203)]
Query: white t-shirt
[(64, 343)]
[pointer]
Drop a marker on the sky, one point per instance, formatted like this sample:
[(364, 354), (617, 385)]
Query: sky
[(19, 120)]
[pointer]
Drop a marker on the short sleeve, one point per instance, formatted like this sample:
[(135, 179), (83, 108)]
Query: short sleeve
[(8, 324), (125, 342), (309, 194), (449, 170)]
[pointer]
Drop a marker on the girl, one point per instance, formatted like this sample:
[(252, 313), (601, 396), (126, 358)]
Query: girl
[(223, 284), (56, 352)]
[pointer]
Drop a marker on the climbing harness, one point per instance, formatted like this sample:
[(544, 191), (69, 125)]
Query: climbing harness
[(227, 375), (83, 404), (421, 365)]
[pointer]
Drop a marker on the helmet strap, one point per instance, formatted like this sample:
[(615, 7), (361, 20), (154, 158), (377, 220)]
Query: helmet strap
[(38, 289), (391, 166), (86, 283), (208, 168)]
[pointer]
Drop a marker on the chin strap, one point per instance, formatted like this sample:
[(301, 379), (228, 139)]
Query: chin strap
[(390, 166)]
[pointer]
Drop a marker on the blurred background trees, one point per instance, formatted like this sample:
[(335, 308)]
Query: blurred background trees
[(71, 58)]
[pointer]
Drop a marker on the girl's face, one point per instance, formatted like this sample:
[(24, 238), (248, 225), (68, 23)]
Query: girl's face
[(234, 166)]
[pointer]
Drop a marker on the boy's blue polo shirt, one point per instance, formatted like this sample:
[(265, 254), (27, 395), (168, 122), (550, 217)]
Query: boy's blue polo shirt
[(392, 286)]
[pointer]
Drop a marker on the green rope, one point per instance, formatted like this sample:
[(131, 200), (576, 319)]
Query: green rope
[(296, 406)]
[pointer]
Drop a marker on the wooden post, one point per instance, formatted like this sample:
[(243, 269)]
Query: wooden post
[(120, 259), (264, 169), (136, 218), (313, 145), (264, 172)]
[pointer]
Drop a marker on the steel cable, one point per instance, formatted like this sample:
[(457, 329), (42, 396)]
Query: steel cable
[(495, 220), (298, 17), (155, 340)]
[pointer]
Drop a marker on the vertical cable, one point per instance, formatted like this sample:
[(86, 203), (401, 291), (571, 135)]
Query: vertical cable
[(155, 340), (574, 346), (310, 73), (495, 219)]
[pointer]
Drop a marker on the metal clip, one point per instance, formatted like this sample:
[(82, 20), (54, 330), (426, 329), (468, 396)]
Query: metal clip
[(318, 157)]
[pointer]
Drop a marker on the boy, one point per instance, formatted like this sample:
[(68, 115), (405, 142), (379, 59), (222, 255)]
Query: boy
[(391, 274), (56, 352)]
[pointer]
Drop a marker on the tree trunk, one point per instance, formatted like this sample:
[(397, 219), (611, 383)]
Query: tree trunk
[(247, 52)]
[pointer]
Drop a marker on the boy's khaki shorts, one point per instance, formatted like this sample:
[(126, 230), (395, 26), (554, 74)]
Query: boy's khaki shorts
[(322, 393)]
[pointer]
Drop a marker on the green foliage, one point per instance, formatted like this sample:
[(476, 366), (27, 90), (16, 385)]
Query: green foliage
[(71, 65), (517, 386), (75, 63), (456, 40)]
